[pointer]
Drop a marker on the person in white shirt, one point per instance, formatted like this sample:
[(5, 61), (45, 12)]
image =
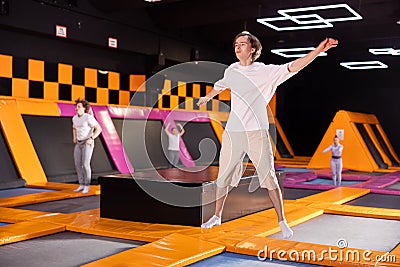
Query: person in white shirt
[(336, 160), (252, 86), (173, 144), (85, 129)]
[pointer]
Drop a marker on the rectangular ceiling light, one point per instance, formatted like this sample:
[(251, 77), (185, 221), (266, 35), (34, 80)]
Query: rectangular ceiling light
[(313, 24), (385, 51), (363, 65), (301, 21), (294, 52)]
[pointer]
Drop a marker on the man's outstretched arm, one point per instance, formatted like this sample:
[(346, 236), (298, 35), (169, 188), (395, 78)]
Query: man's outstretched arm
[(302, 62), (203, 100)]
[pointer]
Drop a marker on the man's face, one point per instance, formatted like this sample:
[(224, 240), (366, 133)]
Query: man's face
[(79, 109), (243, 49)]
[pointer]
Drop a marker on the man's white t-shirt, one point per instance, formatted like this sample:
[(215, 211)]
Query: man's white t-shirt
[(84, 126), (252, 87), (173, 142)]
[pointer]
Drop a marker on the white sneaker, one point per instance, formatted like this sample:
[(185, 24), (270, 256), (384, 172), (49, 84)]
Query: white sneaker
[(287, 233), (85, 189), (213, 221), (80, 188)]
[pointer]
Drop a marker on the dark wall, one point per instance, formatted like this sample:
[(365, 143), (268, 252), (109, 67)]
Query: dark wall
[(308, 102), (29, 31)]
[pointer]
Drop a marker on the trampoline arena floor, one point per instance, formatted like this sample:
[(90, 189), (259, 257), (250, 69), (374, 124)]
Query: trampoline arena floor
[(50, 225)]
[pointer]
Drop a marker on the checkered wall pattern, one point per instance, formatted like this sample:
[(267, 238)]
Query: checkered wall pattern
[(180, 95), (31, 78)]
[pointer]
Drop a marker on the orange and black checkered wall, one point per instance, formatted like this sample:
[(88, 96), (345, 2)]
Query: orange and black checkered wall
[(32, 78), (181, 95)]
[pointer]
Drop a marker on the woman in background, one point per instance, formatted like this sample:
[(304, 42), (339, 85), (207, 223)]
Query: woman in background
[(336, 161)]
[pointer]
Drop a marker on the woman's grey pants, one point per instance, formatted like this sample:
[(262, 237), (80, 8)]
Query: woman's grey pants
[(82, 156), (336, 167)]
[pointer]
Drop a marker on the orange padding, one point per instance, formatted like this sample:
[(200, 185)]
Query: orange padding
[(304, 252), (262, 223), (396, 251), (338, 195), (27, 230), (65, 193), (20, 144), (358, 211), (10, 215), (89, 223), (173, 250)]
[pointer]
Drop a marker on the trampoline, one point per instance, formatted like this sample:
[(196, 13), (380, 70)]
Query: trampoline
[(201, 142), (55, 149), (62, 249), (228, 259), (378, 201), (394, 186), (13, 192), (66, 205), (132, 132), (9, 175), (327, 229), (294, 193), (325, 181)]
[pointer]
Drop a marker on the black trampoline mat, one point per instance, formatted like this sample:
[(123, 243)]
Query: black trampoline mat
[(62, 249), (377, 201), (359, 232), (70, 205), (296, 193), (394, 186)]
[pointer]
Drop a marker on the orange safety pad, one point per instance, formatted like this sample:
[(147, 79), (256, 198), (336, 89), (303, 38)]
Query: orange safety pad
[(67, 187), (94, 212), (172, 250), (27, 230), (41, 197), (396, 251), (338, 195), (19, 142), (38, 107), (91, 224), (265, 223), (262, 223), (304, 252), (359, 211), (294, 163), (10, 215)]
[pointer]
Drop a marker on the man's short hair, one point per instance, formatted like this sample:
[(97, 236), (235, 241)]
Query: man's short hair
[(254, 42)]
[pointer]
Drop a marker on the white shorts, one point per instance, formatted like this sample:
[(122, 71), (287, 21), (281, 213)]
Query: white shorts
[(235, 145)]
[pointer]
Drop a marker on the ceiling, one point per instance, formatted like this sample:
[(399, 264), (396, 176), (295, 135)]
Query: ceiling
[(219, 21)]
